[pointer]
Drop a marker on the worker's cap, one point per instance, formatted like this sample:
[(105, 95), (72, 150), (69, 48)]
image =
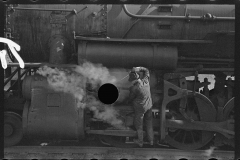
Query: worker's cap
[(133, 76)]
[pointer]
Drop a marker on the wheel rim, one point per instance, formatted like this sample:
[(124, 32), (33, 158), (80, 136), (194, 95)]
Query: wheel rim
[(12, 129), (228, 110), (193, 139), (228, 113), (8, 130)]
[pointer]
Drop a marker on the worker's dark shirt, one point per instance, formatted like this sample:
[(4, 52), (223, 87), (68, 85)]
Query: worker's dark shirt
[(140, 95)]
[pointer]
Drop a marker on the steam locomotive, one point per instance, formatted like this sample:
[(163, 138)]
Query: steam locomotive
[(184, 46)]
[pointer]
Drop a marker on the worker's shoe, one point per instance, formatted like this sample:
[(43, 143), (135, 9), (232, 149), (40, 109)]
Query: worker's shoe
[(136, 141), (151, 143)]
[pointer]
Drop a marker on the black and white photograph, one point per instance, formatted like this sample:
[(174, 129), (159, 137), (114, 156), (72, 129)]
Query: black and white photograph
[(122, 80)]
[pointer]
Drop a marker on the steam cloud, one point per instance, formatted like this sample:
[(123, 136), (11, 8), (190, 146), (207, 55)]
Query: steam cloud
[(74, 81)]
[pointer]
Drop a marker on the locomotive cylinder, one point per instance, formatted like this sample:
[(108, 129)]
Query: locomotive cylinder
[(51, 114), (128, 55), (31, 82)]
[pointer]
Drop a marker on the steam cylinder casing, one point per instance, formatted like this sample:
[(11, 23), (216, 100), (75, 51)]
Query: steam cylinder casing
[(30, 82), (51, 114), (128, 55)]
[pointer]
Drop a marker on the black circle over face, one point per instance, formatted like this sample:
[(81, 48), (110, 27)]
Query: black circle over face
[(108, 93)]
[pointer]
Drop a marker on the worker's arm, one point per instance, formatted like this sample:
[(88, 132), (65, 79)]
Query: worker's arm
[(146, 74)]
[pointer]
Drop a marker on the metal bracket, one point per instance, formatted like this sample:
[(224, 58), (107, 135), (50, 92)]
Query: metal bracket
[(180, 94)]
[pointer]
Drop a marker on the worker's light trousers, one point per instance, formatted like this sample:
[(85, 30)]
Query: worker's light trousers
[(140, 116)]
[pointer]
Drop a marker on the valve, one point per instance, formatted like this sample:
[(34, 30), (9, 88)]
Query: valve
[(208, 17)]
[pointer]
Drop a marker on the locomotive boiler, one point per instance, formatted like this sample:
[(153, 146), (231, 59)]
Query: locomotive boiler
[(184, 46)]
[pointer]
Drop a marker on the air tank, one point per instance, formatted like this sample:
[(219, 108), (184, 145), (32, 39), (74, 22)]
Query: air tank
[(115, 54)]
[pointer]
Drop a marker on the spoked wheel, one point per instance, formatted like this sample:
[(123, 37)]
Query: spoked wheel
[(12, 129), (117, 141), (198, 108), (228, 110), (228, 113)]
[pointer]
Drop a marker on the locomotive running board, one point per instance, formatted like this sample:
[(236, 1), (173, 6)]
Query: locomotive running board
[(127, 133)]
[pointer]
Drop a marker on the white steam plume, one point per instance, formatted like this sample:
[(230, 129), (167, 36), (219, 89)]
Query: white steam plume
[(65, 81), (74, 81)]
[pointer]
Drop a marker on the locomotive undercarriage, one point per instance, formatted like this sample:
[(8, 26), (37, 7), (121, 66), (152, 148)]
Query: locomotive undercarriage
[(186, 127), (186, 118)]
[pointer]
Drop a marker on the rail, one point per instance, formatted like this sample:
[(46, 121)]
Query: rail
[(86, 152), (207, 16)]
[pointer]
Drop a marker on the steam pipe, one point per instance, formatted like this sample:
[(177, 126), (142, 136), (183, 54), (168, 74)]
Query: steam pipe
[(187, 17)]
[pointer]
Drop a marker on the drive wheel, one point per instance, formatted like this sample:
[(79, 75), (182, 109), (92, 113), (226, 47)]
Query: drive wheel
[(12, 129), (228, 110), (228, 113), (199, 108)]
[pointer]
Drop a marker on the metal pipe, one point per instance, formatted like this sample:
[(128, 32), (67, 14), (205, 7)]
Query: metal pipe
[(41, 64), (42, 9), (75, 12), (136, 20), (140, 40), (82, 9), (174, 17)]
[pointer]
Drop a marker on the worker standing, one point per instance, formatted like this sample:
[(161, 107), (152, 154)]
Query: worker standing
[(140, 98)]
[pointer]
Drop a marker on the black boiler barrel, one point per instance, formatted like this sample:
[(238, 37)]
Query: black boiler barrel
[(127, 55)]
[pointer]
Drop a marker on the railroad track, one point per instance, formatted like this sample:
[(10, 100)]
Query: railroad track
[(83, 152)]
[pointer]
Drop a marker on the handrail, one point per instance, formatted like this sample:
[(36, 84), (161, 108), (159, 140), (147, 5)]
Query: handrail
[(42, 64), (18, 80), (207, 16), (43, 9)]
